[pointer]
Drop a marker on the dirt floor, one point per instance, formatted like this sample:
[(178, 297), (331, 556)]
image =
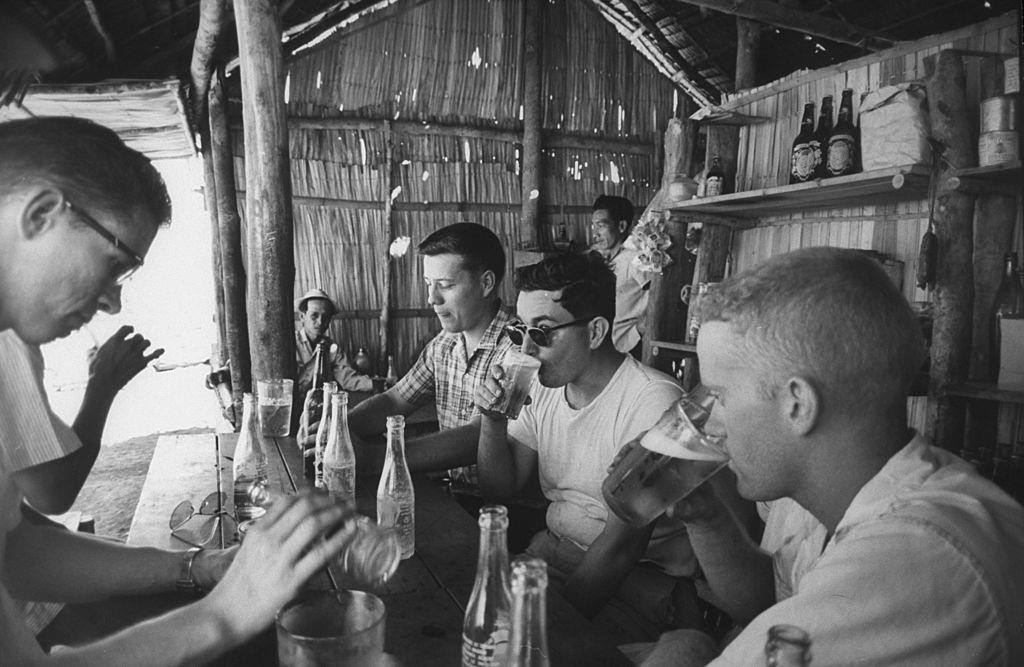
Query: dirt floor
[(112, 490)]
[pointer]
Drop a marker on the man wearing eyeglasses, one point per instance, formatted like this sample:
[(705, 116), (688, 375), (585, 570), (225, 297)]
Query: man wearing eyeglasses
[(588, 401), (78, 212)]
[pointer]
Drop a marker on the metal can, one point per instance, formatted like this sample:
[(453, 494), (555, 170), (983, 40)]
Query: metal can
[(999, 113), (997, 148)]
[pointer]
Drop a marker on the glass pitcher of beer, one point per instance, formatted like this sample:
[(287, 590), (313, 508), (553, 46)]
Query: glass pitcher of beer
[(667, 463)]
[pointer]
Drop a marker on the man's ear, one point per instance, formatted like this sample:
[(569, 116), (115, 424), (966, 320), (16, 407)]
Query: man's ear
[(488, 282), (623, 227), (40, 212), (598, 328), (801, 403)]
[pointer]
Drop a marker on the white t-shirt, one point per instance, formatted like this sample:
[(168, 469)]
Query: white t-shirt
[(631, 296), (924, 569), (575, 447)]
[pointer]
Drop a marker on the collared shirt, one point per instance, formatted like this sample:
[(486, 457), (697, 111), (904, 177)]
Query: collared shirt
[(347, 377), (445, 373), (923, 569), (631, 296), (30, 434)]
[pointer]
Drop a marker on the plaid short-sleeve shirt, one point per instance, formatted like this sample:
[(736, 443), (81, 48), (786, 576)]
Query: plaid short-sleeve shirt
[(445, 373)]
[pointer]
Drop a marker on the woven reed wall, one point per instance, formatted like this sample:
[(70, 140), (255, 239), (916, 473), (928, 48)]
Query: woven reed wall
[(763, 159), (454, 62)]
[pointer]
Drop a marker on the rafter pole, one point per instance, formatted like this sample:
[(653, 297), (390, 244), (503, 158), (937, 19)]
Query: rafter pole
[(533, 119), (793, 19), (211, 23)]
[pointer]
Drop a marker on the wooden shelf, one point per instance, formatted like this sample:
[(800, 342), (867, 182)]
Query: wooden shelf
[(998, 178), (987, 391), (741, 209), (681, 349)]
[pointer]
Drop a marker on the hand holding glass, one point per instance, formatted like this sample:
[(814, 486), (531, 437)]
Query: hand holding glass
[(667, 464), (520, 370)]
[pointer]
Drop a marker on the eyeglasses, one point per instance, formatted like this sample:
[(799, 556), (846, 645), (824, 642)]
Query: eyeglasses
[(125, 273), (212, 505), (540, 335)]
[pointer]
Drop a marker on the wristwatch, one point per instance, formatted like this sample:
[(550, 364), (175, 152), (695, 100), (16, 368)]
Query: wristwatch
[(186, 581)]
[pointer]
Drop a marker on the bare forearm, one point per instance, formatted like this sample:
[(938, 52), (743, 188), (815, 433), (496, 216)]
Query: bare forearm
[(445, 449), (496, 468), (369, 418), (45, 563), (738, 572), (603, 569)]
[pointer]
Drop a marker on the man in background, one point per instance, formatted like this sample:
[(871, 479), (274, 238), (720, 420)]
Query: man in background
[(316, 310), (610, 224)]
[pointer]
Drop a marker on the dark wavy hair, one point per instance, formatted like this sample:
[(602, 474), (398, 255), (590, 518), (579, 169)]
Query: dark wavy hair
[(86, 161), (478, 246), (620, 208), (586, 280)]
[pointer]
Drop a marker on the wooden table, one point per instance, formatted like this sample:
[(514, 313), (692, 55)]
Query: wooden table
[(425, 599)]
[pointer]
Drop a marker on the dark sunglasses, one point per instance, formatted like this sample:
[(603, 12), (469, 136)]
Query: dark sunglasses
[(212, 505), (539, 335), (136, 259)]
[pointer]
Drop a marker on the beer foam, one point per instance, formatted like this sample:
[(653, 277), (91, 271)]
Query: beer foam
[(695, 449)]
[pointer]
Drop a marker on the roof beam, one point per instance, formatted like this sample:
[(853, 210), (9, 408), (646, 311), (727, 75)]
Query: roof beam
[(775, 14)]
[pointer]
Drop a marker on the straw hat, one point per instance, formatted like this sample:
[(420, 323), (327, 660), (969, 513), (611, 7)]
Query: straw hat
[(316, 293)]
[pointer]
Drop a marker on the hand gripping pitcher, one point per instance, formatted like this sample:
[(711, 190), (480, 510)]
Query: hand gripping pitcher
[(666, 464)]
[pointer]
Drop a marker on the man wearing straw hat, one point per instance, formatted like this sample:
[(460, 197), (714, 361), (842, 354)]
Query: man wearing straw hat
[(78, 212), (316, 310)]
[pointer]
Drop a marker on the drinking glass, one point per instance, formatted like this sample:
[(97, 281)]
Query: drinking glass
[(666, 464), (520, 369), (274, 398), (342, 628)]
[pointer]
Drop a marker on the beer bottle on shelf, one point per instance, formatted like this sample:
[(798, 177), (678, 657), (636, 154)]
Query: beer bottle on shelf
[(314, 461), (820, 141), (528, 643), (339, 459), (391, 379), (396, 499), (485, 630), (249, 467), (1008, 304), (803, 162), (842, 141), (714, 183), (787, 646)]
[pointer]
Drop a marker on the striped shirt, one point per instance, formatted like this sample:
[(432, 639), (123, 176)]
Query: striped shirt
[(445, 373), (30, 434)]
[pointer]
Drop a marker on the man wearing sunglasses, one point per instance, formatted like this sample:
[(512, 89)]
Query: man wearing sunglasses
[(588, 401), (78, 212)]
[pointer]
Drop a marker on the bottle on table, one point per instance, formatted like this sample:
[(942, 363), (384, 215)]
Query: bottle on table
[(803, 160), (714, 183), (842, 141), (249, 468), (391, 379), (361, 362), (787, 646), (821, 134), (339, 459), (313, 464), (396, 499), (1008, 304), (485, 630), (528, 642), (313, 403)]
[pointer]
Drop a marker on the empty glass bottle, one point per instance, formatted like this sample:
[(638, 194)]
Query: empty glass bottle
[(787, 646), (528, 643), (249, 468), (391, 379), (485, 630), (396, 499), (339, 459), (314, 461)]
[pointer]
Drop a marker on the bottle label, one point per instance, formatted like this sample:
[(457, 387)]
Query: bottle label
[(804, 161), (490, 653), (713, 187), (840, 154)]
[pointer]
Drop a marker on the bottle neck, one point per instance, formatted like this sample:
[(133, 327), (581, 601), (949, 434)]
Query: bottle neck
[(396, 443), (529, 641), (1009, 267), (492, 561)]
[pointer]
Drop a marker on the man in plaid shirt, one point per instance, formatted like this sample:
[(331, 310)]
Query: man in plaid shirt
[(463, 265)]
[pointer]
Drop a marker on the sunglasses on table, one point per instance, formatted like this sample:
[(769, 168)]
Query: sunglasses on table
[(212, 505), (540, 335)]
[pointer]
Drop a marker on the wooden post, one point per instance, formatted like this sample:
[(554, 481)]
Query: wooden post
[(748, 45), (232, 279), (389, 233), (533, 28), (953, 218), (210, 199), (268, 196), (664, 319)]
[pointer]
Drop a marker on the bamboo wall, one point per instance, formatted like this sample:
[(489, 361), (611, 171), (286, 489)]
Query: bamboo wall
[(763, 159), (454, 62)]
